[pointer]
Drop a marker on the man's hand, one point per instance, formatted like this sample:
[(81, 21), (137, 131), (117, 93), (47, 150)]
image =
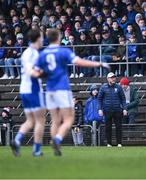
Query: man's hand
[(105, 65), (125, 113), (100, 113)]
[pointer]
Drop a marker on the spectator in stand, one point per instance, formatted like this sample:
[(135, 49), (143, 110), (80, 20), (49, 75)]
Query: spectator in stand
[(138, 6), (109, 21), (17, 53), (2, 55), (58, 10), (134, 56), (75, 16), (132, 100), (77, 131), (65, 23), (52, 21), (94, 10), (143, 50), (65, 39), (45, 19), (83, 10), (144, 8), (29, 5), (123, 22), (17, 28), (38, 11), (129, 31), (5, 30), (24, 14), (112, 105), (120, 56), (141, 23), (131, 13), (114, 14), (107, 51), (116, 31), (84, 52), (42, 5), (9, 59), (26, 26), (143, 47), (119, 6), (91, 108), (13, 13), (71, 40), (106, 11), (138, 25), (77, 29), (99, 19), (89, 21), (69, 11)]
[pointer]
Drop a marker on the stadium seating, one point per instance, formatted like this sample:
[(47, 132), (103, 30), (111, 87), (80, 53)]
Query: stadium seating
[(9, 95)]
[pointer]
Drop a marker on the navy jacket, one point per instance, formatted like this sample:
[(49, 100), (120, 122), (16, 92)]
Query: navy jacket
[(91, 111), (111, 98), (132, 51)]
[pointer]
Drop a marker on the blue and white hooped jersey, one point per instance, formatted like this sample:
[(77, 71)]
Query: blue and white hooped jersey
[(54, 61), (29, 84)]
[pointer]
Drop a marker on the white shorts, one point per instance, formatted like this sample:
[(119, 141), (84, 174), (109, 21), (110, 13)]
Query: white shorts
[(59, 99)]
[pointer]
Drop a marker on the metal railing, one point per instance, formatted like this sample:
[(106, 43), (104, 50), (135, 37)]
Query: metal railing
[(97, 53), (132, 134), (89, 134)]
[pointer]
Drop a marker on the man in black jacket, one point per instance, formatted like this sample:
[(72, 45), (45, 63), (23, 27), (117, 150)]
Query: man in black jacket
[(77, 132), (112, 104)]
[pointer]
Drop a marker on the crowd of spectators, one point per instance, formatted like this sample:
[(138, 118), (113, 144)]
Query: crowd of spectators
[(81, 22)]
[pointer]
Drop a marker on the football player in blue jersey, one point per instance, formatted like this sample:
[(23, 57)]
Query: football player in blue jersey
[(32, 97), (53, 61)]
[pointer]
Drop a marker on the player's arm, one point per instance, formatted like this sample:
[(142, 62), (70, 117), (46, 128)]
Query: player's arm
[(86, 63)]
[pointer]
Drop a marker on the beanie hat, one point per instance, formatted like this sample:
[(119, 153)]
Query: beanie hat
[(124, 81), (93, 87)]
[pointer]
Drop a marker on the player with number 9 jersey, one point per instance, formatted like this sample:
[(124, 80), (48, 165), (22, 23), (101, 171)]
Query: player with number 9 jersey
[(54, 61)]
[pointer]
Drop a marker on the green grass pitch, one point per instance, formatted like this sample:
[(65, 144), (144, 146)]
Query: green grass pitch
[(76, 163)]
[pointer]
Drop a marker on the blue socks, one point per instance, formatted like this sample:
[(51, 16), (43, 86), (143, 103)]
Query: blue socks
[(37, 149), (18, 139), (58, 139)]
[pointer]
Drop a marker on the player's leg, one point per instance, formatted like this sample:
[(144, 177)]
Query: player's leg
[(56, 121), (24, 129), (39, 126), (67, 117)]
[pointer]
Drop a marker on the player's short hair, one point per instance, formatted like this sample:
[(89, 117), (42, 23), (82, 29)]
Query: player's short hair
[(53, 35), (33, 35)]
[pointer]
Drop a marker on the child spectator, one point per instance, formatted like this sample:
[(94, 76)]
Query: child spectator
[(91, 108), (77, 130)]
